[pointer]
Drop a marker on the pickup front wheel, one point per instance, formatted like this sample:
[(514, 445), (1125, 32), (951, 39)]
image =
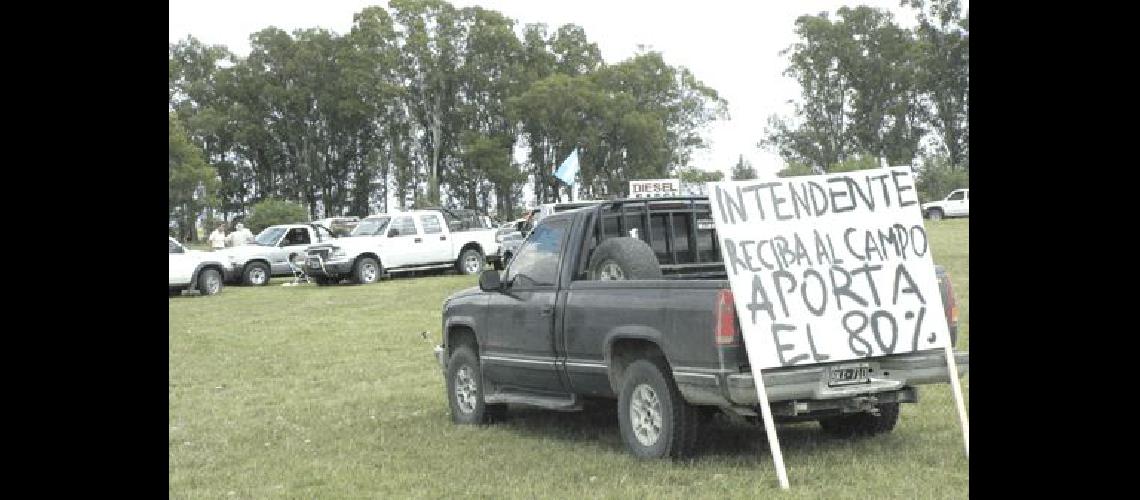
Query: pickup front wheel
[(366, 271), (255, 274), (465, 389), (655, 420)]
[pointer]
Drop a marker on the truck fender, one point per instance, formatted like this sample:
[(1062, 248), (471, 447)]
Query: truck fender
[(198, 271), (456, 322)]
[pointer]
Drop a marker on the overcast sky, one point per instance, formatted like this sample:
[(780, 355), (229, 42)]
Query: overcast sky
[(731, 45)]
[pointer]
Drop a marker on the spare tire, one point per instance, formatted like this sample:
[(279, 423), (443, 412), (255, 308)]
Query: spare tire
[(624, 259)]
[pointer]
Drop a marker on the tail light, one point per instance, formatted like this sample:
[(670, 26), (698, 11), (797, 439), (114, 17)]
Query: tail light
[(727, 332), (951, 304)]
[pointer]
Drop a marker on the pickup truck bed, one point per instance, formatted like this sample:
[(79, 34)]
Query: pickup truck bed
[(551, 341)]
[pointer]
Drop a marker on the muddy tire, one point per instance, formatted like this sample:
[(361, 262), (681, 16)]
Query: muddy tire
[(465, 390), (655, 420)]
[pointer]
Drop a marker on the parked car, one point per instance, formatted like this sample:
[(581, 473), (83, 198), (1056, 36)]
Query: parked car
[(271, 251), (956, 204), (586, 311), (194, 270), (401, 242)]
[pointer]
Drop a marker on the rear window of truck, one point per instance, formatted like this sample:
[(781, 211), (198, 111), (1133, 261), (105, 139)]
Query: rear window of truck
[(680, 232)]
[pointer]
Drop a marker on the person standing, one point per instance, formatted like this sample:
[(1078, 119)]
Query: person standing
[(240, 236), (218, 238)]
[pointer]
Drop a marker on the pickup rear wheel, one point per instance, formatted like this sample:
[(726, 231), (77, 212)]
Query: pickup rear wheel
[(862, 424), (465, 390), (655, 420), (209, 282), (469, 262), (624, 258), (934, 214), (366, 271)]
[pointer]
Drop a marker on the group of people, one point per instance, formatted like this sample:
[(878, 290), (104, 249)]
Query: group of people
[(240, 236)]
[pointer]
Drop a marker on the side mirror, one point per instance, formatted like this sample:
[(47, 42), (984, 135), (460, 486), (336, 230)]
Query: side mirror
[(519, 226), (489, 281), (393, 232)]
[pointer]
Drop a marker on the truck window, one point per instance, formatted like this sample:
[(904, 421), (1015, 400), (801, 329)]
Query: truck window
[(174, 247), (957, 195), (431, 224), (405, 225), (680, 233), (371, 227), (537, 261), (297, 236), (323, 234)]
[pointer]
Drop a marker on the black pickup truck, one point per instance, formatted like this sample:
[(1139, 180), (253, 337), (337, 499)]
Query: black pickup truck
[(629, 300)]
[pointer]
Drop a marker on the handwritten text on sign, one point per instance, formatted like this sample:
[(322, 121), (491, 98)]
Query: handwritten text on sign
[(829, 267)]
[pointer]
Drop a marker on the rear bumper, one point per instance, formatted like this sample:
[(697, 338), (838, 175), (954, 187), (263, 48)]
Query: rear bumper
[(798, 386)]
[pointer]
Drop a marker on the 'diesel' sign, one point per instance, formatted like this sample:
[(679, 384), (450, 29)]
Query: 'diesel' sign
[(654, 188), (829, 268)]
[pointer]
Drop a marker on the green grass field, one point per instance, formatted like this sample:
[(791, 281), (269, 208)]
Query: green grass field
[(330, 392)]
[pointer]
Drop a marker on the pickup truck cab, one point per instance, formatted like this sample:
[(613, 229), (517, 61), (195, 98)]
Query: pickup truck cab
[(585, 310), (511, 241), (956, 204), (194, 270), (271, 251), (400, 242)]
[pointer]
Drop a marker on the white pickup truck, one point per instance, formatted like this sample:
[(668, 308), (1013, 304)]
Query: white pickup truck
[(270, 252), (194, 270), (956, 204), (399, 242)]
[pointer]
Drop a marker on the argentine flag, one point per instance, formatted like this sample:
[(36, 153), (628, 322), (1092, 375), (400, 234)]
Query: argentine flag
[(569, 169)]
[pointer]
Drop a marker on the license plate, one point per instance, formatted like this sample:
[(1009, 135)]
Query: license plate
[(848, 374)]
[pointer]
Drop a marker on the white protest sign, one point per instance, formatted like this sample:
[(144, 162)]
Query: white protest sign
[(654, 188), (829, 268)]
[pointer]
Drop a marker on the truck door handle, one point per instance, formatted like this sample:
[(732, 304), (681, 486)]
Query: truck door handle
[(547, 310), (419, 240), (442, 237)]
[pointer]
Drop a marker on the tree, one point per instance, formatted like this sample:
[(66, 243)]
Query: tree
[(191, 181), (693, 175), (944, 75), (199, 96), (273, 211), (431, 47), (859, 91), (421, 100), (743, 170), (796, 169), (938, 177)]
